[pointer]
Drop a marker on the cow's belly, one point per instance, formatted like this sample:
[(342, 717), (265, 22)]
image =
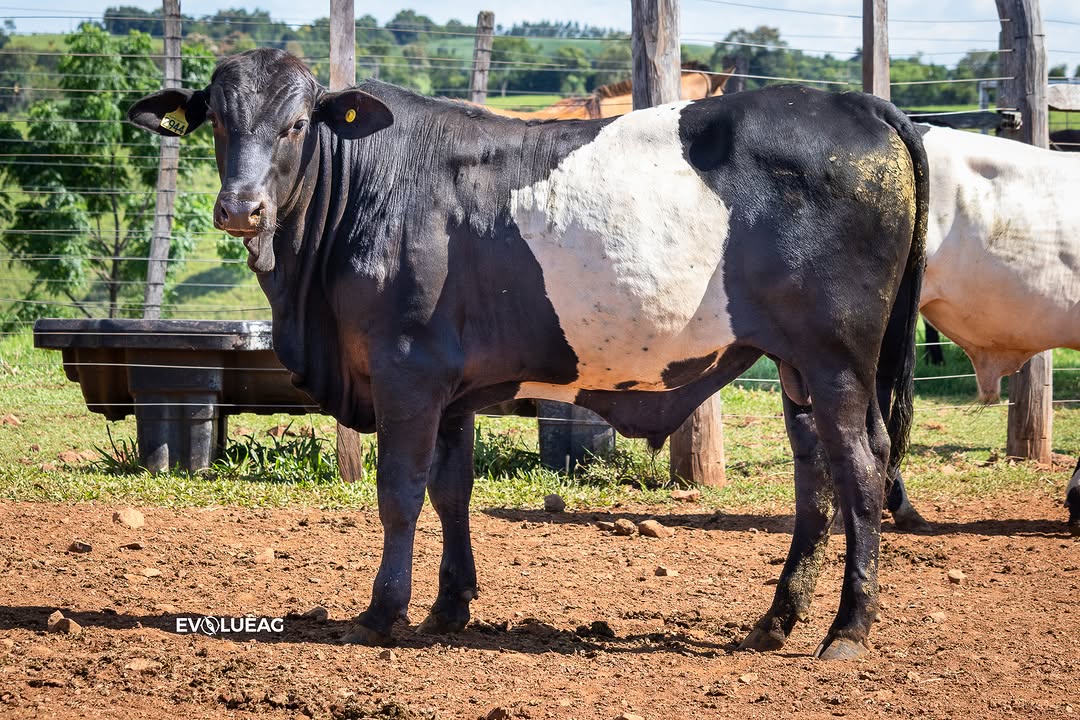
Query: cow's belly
[(983, 297), (630, 240)]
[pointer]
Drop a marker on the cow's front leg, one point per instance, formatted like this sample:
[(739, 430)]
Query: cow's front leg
[(450, 487), (406, 446), (814, 512)]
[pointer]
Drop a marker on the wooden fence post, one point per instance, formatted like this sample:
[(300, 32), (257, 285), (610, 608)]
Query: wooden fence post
[(342, 44), (161, 231), (657, 63), (1023, 60), (343, 75), (697, 447), (485, 38), (875, 48)]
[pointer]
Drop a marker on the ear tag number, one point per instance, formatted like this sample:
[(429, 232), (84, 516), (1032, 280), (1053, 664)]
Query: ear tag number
[(350, 115), (176, 121)]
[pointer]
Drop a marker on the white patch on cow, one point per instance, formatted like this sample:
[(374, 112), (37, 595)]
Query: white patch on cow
[(1003, 265), (1074, 482), (631, 243)]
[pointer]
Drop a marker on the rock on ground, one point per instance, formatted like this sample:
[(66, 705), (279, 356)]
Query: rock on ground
[(129, 517), (653, 529)]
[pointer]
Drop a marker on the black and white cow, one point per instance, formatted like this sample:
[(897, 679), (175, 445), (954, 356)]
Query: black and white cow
[(425, 259)]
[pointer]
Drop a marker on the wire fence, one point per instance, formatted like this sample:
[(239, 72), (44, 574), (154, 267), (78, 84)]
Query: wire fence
[(230, 298)]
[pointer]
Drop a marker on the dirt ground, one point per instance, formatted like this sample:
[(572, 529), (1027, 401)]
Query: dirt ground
[(1004, 642)]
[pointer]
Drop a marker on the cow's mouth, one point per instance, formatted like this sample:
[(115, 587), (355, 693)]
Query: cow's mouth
[(260, 247)]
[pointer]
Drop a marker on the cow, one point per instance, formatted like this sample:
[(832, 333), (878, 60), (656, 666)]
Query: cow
[(1065, 140), (1003, 262), (424, 259)]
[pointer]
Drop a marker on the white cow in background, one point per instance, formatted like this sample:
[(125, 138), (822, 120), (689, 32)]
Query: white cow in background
[(1003, 260)]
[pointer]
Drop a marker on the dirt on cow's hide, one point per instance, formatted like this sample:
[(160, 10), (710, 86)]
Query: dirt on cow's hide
[(572, 621)]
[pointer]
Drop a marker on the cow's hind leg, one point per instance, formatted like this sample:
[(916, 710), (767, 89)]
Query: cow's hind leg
[(904, 514), (450, 487), (814, 512), (851, 430), (406, 447)]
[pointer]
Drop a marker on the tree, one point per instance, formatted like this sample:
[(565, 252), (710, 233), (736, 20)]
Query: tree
[(126, 18), (1059, 71), (506, 52), (612, 65), (84, 180), (409, 27), (762, 50), (15, 68)]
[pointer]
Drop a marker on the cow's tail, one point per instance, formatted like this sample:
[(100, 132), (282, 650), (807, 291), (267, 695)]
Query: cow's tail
[(896, 365)]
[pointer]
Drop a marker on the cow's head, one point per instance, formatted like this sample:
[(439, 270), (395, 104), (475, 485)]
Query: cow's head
[(265, 107)]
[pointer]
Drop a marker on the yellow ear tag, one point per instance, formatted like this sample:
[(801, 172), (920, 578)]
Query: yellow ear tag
[(350, 115), (176, 121)]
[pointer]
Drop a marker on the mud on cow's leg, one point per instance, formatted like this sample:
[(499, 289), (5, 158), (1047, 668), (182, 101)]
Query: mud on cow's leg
[(406, 447), (853, 434), (450, 487), (814, 512)]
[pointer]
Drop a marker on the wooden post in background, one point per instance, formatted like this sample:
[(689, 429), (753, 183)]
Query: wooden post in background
[(342, 44), (343, 75), (657, 63), (875, 48), (161, 231), (1023, 59), (485, 38), (697, 447)]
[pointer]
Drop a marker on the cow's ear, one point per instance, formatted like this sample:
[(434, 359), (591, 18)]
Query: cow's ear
[(353, 113), (172, 112)]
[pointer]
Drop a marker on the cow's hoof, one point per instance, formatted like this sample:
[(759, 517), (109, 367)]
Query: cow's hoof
[(838, 648), (363, 635), (439, 624), (762, 640), (908, 519), (1074, 528)]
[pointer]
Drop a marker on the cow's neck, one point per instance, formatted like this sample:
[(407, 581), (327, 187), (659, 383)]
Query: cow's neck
[(306, 335)]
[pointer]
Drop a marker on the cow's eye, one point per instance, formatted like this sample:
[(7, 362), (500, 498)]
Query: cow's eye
[(298, 126)]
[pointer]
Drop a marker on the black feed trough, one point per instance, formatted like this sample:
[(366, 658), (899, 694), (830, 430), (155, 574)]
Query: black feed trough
[(180, 378)]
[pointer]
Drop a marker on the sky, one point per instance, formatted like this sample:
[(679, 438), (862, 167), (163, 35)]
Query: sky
[(943, 31)]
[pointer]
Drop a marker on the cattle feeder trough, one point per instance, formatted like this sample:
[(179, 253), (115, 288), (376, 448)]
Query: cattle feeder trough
[(183, 378)]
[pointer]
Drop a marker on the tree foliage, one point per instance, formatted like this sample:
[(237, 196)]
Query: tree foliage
[(82, 184)]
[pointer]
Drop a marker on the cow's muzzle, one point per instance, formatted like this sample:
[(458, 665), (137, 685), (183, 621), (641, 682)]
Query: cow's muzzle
[(240, 217)]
